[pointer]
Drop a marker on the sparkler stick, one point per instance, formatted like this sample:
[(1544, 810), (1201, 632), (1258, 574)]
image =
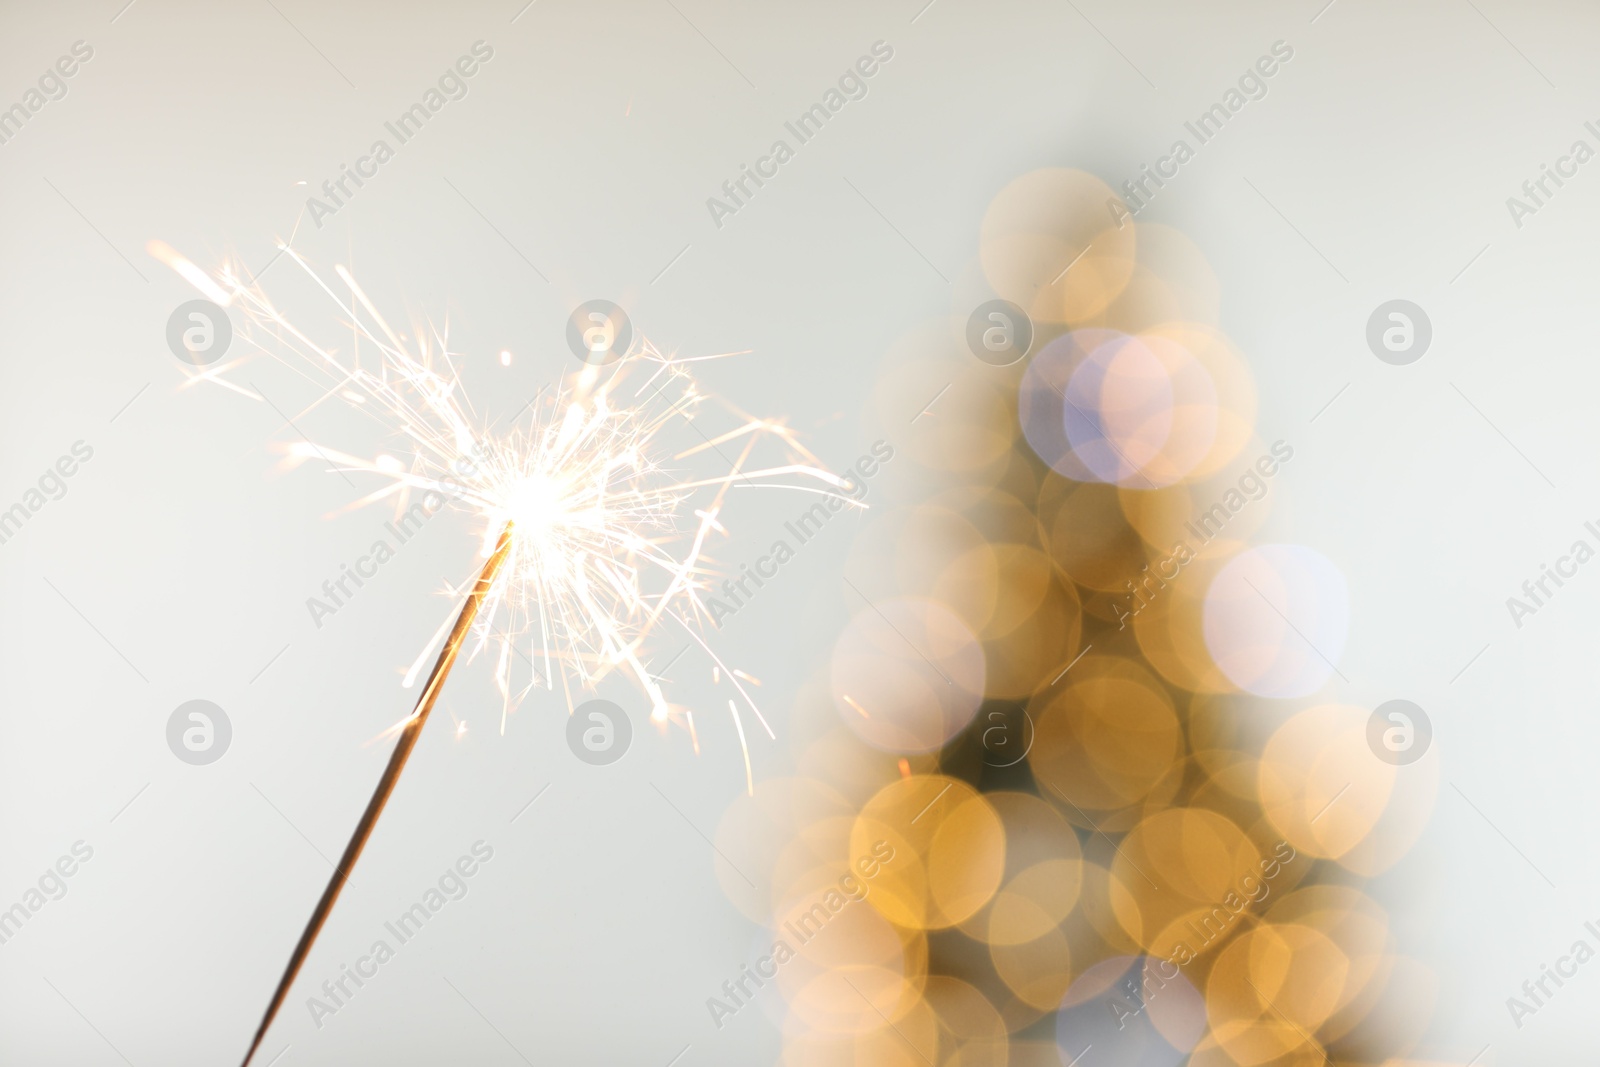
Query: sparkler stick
[(606, 531), (391, 776)]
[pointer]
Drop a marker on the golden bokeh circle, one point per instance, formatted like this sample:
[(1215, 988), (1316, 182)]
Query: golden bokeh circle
[(1175, 865), (1320, 785), (1271, 989), (1104, 735), (1043, 873), (948, 848), (773, 828), (1045, 222)]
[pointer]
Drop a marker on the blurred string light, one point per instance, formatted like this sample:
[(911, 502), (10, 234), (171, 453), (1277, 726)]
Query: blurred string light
[(1173, 872)]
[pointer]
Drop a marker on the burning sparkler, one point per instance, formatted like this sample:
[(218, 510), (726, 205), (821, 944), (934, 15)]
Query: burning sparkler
[(596, 534)]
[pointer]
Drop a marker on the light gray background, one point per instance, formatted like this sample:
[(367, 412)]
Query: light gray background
[(1377, 168)]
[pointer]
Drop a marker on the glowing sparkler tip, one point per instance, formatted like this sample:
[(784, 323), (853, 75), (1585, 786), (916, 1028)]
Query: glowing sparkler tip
[(608, 535)]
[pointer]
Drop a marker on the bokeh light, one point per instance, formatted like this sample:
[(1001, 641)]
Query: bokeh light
[(1276, 619), (1060, 749)]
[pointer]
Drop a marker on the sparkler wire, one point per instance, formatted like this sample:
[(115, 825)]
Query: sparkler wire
[(391, 776)]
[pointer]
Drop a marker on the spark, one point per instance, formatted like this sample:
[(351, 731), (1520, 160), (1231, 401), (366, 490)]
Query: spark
[(190, 273), (749, 781), (604, 482)]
